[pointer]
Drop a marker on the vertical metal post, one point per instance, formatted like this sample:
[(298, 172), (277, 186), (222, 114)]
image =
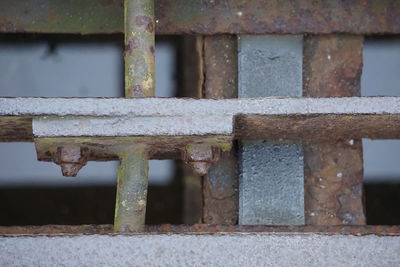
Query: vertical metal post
[(271, 185), (139, 48), (220, 185), (139, 51), (333, 171), (192, 82), (130, 209)]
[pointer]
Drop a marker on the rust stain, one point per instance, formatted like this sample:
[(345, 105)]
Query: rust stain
[(54, 230), (334, 171), (207, 17)]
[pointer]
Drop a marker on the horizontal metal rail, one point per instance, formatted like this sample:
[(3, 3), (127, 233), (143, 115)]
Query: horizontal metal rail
[(264, 118), (205, 17), (107, 229)]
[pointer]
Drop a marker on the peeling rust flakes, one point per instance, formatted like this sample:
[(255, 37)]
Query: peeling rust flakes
[(334, 172)]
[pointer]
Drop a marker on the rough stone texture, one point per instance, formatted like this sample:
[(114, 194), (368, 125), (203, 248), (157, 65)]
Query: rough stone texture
[(271, 186), (201, 250), (333, 172), (143, 107), (129, 126), (270, 66)]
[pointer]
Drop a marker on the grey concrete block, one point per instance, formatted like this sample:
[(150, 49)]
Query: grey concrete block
[(272, 177), (201, 250)]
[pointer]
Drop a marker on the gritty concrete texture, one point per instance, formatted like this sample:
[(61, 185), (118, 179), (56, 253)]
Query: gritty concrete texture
[(201, 250), (129, 126), (111, 107), (270, 65), (271, 184), (271, 187)]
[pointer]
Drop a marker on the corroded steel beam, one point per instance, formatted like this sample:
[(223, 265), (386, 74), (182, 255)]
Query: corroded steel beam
[(380, 230), (334, 172), (205, 17), (299, 119), (220, 185)]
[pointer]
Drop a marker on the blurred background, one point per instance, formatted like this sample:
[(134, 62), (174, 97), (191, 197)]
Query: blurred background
[(35, 193)]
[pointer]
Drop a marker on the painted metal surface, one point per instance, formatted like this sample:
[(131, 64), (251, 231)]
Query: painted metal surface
[(188, 250), (271, 184), (139, 58), (139, 48), (132, 182), (205, 17)]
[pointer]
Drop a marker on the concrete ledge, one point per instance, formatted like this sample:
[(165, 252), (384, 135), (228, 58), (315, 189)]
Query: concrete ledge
[(153, 107), (236, 249)]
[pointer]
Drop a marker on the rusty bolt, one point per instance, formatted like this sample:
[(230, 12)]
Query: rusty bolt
[(201, 157), (71, 159)]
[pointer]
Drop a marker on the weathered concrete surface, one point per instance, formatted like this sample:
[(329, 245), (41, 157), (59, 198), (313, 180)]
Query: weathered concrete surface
[(201, 250), (264, 118), (141, 107), (271, 184), (128, 126), (270, 65)]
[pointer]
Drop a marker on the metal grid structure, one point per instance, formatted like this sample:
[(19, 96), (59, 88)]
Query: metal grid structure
[(322, 114)]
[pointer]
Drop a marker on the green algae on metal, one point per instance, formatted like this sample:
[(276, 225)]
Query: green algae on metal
[(139, 48), (130, 206)]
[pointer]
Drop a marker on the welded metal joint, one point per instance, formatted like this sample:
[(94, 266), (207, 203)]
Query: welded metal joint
[(200, 157), (71, 159)]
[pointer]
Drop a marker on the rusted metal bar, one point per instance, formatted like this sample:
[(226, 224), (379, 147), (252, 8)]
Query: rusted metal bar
[(327, 128), (333, 172), (201, 157), (270, 119), (220, 66), (71, 158), (191, 56), (220, 185), (132, 183), (15, 129), (205, 17), (380, 230), (139, 48), (130, 206)]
